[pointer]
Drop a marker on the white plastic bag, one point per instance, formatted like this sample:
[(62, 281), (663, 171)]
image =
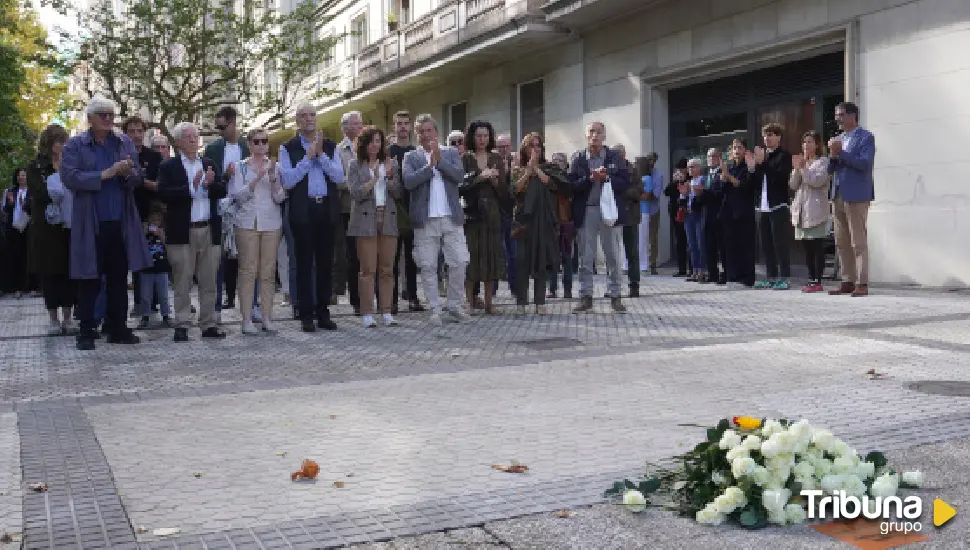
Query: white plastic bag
[(608, 213)]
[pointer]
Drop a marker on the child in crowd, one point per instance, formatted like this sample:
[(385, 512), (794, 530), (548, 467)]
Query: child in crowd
[(154, 280)]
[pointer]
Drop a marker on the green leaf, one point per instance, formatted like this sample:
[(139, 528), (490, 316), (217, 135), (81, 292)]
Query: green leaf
[(877, 458), (629, 484), (649, 485), (713, 436), (752, 517), (615, 490), (723, 425)]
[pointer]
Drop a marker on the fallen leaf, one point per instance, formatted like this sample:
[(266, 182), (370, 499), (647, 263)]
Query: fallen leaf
[(308, 470), (141, 529), (281, 454), (38, 487), (338, 484), (166, 531), (351, 474), (197, 474), (333, 417), (513, 469), (873, 375), (562, 514)]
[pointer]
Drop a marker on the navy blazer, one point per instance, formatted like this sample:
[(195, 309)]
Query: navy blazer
[(175, 191), (581, 184)]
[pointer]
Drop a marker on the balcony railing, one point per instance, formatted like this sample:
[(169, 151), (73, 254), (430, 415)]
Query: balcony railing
[(451, 24)]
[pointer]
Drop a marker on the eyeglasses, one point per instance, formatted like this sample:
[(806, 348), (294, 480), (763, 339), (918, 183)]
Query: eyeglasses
[(456, 142), (264, 141)]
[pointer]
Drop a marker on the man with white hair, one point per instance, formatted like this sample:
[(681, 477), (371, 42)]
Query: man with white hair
[(311, 169), (100, 166), (432, 174), (346, 263), (161, 146), (188, 184)]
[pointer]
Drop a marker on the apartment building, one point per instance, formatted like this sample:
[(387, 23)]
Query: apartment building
[(679, 76)]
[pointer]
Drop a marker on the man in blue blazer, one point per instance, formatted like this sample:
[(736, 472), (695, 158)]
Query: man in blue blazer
[(851, 157), (589, 171)]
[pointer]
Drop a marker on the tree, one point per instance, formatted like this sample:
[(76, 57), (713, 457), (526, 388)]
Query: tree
[(292, 55), (180, 60)]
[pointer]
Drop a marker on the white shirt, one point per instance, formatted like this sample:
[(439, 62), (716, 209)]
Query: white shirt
[(380, 189), (437, 198), (200, 196), (21, 196), (259, 210), (232, 156)]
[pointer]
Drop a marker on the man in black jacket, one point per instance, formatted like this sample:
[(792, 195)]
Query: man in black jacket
[(713, 200), (772, 169), (188, 184)]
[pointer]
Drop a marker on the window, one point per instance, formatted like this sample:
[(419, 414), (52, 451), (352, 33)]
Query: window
[(532, 116), (829, 127), (358, 34), (329, 55), (458, 116)]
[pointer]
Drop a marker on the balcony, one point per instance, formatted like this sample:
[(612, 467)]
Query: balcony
[(453, 26)]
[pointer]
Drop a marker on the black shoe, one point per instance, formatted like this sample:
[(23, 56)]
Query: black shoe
[(567, 294), (722, 280), (585, 305), (213, 333), (194, 310), (327, 324), (653, 271), (85, 341), (606, 294), (394, 309), (634, 292), (617, 305), (308, 326), (181, 335), (123, 337), (143, 324), (416, 306), (680, 274), (166, 321)]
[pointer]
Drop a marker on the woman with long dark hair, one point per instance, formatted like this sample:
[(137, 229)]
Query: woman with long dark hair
[(810, 208), (737, 215), (484, 187), (49, 237), (535, 224), (16, 205), (374, 181)]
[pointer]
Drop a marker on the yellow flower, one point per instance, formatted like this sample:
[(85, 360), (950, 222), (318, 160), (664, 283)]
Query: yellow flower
[(747, 422)]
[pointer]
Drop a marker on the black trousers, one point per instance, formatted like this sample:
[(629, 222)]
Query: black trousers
[(714, 247), (58, 291), (523, 270), (815, 258), (405, 245), (230, 276), (313, 241), (15, 261), (738, 236), (113, 265), (631, 247), (680, 242), (353, 264), (776, 237)]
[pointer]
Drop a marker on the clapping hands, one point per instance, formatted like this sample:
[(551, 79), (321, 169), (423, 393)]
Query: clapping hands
[(798, 161)]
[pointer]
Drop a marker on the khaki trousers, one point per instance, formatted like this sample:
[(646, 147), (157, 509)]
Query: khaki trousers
[(376, 255), (200, 258), (257, 257), (851, 239)]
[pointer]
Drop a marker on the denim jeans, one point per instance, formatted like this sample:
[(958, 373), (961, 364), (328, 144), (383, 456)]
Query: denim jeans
[(154, 286), (694, 226)]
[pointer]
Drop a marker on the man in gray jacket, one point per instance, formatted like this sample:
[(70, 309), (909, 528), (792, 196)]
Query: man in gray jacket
[(433, 174)]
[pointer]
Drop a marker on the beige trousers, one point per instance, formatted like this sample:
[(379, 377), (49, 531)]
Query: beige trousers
[(257, 257), (376, 255), (200, 258), (851, 239)]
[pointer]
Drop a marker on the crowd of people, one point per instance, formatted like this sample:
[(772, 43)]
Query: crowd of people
[(329, 218)]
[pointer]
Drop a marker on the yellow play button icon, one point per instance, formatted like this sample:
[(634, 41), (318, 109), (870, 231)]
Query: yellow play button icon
[(942, 512)]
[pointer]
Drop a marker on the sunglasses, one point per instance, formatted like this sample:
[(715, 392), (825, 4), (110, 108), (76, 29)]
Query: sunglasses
[(221, 127), (264, 141)]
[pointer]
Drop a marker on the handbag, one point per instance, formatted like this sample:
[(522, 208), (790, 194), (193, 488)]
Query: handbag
[(608, 212), (52, 214)]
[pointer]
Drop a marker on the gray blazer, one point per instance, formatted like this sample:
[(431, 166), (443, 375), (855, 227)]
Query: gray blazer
[(364, 203), (417, 180)]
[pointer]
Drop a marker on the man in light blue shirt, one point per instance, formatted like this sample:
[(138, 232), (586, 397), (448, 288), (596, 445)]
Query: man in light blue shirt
[(653, 188)]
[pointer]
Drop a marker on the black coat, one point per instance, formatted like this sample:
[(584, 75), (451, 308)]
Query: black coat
[(777, 167), (174, 191)]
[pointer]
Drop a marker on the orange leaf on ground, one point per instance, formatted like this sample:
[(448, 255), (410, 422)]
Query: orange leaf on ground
[(513, 469), (338, 484), (308, 470)]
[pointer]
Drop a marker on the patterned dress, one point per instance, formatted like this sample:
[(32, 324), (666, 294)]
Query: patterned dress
[(483, 219)]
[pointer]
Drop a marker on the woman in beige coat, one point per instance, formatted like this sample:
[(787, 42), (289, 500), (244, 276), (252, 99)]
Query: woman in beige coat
[(374, 181), (810, 208)]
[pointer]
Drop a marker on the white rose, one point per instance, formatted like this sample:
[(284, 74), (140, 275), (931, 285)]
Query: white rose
[(841, 448), (865, 470), (634, 501), (854, 486), (775, 499), (736, 453), (752, 443), (823, 439), (781, 474), (794, 513), (831, 483), (823, 468), (770, 448), (803, 470), (812, 455), (729, 439), (808, 484), (886, 485), (844, 465), (786, 442), (761, 476), (723, 505), (770, 428), (777, 517), (802, 430), (736, 496), (709, 516), (914, 478), (742, 467)]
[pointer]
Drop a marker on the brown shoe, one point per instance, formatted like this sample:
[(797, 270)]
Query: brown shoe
[(844, 288), (861, 290)]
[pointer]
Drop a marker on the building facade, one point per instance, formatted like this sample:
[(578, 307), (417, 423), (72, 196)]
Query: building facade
[(679, 76)]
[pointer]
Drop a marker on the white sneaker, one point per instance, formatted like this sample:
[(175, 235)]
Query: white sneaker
[(249, 328), (54, 329), (369, 321), (389, 320), (286, 301), (257, 315), (435, 318), (269, 327), (459, 316)]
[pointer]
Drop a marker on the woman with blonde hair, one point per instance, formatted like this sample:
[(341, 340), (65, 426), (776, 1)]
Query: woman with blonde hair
[(810, 208), (374, 181), (49, 237), (258, 192)]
